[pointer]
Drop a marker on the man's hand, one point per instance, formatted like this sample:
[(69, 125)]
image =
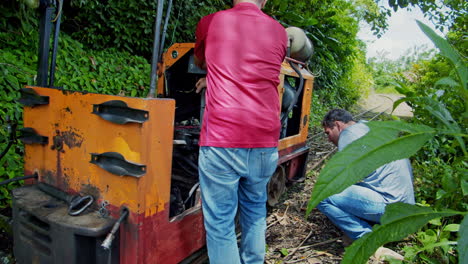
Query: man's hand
[(201, 83)]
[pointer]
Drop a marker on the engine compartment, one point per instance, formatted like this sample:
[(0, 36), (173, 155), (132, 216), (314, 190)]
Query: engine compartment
[(179, 84)]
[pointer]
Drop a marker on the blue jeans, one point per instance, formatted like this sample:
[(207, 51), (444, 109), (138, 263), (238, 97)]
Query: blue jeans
[(354, 210), (232, 177)]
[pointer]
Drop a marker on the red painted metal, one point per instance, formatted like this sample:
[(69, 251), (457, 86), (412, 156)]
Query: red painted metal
[(159, 239)]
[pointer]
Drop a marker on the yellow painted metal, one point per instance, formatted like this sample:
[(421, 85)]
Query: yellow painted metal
[(74, 133), (301, 137), (175, 52)]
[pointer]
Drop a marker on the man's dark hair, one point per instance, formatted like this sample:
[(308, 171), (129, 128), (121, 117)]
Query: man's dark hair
[(336, 115)]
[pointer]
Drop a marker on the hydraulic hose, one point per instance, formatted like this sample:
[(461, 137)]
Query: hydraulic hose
[(298, 92), (110, 237)]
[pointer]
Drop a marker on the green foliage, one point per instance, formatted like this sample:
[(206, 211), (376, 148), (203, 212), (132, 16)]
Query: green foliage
[(360, 77), (284, 251), (16, 72), (384, 70), (105, 72), (433, 245), (440, 183), (78, 68), (398, 221), (448, 51), (440, 112), (447, 134), (129, 25), (442, 13), (373, 14)]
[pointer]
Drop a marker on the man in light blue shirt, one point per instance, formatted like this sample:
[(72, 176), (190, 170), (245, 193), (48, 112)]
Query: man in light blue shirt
[(361, 205)]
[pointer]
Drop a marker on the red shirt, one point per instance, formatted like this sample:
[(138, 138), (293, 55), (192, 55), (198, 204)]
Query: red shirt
[(243, 49)]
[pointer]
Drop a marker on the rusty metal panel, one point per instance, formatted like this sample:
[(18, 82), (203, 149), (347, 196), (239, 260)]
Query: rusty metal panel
[(75, 133)]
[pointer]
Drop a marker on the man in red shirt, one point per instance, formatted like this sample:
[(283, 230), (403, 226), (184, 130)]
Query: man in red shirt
[(242, 49)]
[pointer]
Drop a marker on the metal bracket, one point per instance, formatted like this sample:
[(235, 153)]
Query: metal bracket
[(192, 68), (29, 97), (115, 163), (118, 112), (30, 136)]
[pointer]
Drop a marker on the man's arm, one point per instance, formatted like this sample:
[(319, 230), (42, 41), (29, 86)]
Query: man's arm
[(199, 62), (199, 50), (200, 36)]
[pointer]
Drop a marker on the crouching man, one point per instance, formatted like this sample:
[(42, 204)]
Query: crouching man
[(361, 205)]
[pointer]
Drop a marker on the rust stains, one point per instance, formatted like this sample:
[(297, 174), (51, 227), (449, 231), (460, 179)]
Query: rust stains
[(70, 92), (48, 177), (72, 139), (68, 110), (88, 189)]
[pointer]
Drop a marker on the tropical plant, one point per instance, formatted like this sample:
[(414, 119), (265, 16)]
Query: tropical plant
[(392, 140)]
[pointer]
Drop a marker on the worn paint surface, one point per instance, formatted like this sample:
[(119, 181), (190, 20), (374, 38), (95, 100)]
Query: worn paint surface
[(157, 240), (74, 133), (147, 236)]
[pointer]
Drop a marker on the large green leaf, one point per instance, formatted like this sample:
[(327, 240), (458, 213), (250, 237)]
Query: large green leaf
[(448, 51), (439, 111), (447, 81), (463, 241), (399, 220), (380, 146)]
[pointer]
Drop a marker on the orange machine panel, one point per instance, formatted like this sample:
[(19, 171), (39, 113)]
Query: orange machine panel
[(301, 137), (75, 134)]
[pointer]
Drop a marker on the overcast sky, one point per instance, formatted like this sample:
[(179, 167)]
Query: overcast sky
[(402, 34)]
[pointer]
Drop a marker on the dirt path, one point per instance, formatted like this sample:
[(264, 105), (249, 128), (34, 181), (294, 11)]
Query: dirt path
[(384, 102), (291, 238)]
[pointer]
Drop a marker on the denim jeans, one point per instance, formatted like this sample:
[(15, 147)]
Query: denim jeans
[(232, 178), (354, 210)]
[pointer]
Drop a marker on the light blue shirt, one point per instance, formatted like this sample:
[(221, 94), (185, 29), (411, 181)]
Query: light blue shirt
[(394, 180)]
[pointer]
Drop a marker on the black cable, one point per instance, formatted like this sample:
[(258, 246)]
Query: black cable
[(12, 130), (110, 237), (19, 179), (298, 92), (10, 142)]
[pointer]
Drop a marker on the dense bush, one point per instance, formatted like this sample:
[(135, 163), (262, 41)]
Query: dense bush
[(78, 68), (129, 25)]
